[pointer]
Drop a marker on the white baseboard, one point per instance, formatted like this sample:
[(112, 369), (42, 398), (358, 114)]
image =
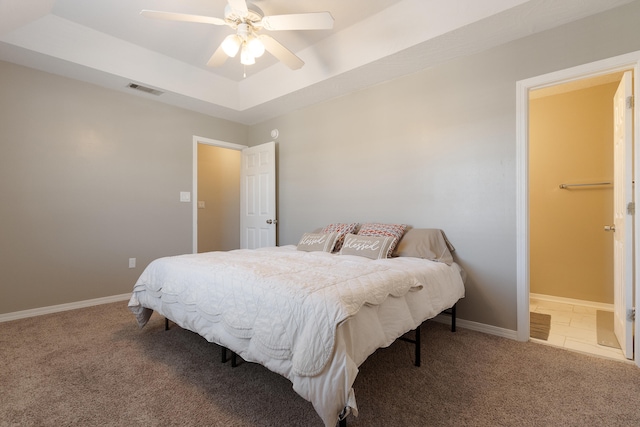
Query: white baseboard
[(593, 304), (479, 327), (61, 307)]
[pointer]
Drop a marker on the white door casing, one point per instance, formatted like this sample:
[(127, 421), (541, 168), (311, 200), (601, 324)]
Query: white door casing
[(258, 196), (622, 217)]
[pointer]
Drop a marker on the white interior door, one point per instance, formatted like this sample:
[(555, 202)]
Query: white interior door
[(622, 217), (258, 196)]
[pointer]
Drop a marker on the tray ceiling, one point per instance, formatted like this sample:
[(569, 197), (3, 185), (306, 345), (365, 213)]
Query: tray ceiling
[(108, 43)]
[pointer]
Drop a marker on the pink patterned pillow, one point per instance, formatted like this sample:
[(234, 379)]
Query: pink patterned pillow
[(342, 229), (388, 230)]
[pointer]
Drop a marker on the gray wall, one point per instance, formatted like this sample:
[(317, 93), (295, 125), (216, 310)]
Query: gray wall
[(88, 179), (435, 149)]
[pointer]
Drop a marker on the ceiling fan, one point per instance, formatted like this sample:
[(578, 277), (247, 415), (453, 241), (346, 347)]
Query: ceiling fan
[(248, 20)]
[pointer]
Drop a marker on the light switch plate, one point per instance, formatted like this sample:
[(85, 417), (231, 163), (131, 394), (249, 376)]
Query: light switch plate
[(185, 196)]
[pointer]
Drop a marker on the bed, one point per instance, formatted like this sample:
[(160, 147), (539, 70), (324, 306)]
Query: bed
[(312, 312)]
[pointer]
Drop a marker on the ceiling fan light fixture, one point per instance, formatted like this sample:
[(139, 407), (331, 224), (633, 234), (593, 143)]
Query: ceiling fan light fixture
[(231, 45), (256, 47), (246, 57), (248, 20)]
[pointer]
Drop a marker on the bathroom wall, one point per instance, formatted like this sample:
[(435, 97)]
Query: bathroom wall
[(571, 141)]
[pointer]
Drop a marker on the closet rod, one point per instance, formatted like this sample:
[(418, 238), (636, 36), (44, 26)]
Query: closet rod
[(564, 186)]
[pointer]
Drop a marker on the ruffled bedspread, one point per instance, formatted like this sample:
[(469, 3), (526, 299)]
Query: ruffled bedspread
[(289, 303)]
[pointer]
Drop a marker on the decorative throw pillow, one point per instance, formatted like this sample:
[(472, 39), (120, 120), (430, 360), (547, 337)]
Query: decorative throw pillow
[(374, 247), (311, 242), (395, 231), (342, 229)]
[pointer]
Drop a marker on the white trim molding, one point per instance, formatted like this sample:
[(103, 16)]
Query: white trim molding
[(62, 307), (478, 327), (571, 301)]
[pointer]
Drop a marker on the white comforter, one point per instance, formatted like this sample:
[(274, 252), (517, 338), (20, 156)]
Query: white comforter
[(286, 304)]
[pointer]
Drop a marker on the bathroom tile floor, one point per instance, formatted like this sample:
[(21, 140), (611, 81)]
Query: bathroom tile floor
[(573, 327)]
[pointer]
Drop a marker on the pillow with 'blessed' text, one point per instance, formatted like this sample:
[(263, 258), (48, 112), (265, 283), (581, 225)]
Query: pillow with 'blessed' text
[(374, 247), (311, 242), (394, 231)]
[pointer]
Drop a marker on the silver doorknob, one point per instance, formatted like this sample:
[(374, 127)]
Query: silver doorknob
[(272, 221), (609, 228)]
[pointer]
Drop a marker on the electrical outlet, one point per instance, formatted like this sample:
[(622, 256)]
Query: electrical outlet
[(132, 263)]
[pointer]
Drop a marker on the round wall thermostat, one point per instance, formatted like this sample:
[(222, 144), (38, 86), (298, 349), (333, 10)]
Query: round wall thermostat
[(274, 133)]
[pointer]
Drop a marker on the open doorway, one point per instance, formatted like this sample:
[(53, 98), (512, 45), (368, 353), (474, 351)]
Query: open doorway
[(524, 89), (571, 166), (216, 195), (218, 198)]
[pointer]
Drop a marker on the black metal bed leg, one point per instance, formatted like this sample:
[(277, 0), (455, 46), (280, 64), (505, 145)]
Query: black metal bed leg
[(417, 342), (166, 324), (234, 357), (453, 318), (342, 422)]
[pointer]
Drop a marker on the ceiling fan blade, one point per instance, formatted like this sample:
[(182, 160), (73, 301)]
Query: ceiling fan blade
[(239, 6), (280, 52), (183, 17), (299, 21), (218, 58)]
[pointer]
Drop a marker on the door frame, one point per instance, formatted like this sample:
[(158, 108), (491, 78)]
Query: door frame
[(630, 61), (194, 187)]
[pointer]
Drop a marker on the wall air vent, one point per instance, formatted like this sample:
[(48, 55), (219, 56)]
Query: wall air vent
[(145, 89)]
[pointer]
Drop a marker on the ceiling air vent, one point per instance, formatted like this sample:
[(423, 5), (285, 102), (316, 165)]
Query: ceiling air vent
[(145, 89)]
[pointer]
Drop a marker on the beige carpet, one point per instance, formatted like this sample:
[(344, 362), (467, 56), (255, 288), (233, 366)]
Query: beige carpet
[(94, 367), (540, 325)]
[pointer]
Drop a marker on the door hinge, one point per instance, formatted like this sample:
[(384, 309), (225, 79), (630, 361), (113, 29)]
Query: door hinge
[(629, 101), (631, 208), (631, 315)]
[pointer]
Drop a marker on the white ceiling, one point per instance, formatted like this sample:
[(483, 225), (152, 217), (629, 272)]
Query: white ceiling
[(107, 42)]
